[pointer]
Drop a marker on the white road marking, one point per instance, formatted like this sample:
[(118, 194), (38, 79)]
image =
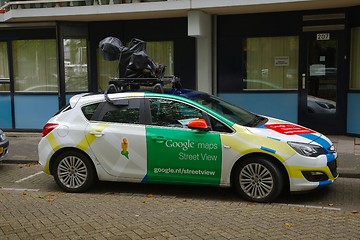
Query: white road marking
[(310, 206), (28, 177), (19, 189)]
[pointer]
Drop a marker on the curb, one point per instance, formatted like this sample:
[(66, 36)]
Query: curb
[(23, 134), (349, 175), (7, 161)]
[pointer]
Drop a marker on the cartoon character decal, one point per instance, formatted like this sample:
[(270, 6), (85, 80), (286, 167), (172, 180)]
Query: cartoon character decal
[(124, 147)]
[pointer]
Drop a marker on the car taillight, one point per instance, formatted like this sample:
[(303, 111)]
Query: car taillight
[(48, 128)]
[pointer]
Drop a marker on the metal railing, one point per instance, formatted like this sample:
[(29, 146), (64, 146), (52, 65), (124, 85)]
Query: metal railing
[(26, 4)]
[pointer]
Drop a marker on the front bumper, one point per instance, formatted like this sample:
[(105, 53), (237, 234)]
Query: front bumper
[(317, 172)]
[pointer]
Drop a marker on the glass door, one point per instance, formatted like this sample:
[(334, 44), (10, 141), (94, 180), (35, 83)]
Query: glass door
[(322, 96)]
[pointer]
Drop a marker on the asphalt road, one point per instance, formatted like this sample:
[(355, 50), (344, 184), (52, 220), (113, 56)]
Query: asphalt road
[(33, 207)]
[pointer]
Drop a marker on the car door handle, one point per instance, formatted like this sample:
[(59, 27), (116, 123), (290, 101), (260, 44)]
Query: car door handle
[(226, 146), (97, 134), (159, 139)]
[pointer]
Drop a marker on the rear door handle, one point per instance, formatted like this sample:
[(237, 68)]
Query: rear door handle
[(97, 134)]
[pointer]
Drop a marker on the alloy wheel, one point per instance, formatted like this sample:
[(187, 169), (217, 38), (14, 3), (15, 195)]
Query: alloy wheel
[(256, 180)]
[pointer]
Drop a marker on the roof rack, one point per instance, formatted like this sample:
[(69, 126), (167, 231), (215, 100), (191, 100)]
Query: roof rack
[(125, 84)]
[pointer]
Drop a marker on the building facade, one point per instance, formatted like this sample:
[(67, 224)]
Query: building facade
[(295, 60)]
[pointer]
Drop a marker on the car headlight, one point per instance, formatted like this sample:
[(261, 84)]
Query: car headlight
[(305, 149), (2, 136), (325, 105)]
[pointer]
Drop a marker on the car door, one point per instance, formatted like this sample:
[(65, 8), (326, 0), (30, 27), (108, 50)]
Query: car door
[(176, 153), (117, 139)]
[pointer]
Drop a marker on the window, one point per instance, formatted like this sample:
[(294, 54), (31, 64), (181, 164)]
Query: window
[(89, 110), (171, 113), (161, 52), (271, 63), (218, 126), (106, 71), (355, 59), (126, 111), (225, 109), (35, 65), (75, 62), (4, 68)]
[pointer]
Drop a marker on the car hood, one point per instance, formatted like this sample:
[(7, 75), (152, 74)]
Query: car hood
[(286, 131)]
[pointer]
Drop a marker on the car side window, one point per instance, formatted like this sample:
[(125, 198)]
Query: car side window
[(170, 113), (127, 111), (218, 126), (89, 110)]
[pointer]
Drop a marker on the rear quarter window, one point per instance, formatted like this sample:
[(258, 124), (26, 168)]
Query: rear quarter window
[(89, 110)]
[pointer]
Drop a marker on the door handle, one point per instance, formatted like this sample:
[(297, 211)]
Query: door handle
[(97, 134), (159, 139), (303, 81), (226, 146)]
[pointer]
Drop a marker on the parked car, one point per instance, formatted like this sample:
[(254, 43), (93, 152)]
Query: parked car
[(184, 137), (4, 145), (320, 105)]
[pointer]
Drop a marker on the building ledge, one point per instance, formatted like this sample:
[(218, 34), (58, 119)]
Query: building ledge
[(108, 10)]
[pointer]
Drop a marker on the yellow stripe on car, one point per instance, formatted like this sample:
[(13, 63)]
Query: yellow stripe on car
[(90, 136), (53, 142)]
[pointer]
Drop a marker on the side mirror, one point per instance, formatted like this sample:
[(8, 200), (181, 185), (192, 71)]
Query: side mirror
[(199, 124)]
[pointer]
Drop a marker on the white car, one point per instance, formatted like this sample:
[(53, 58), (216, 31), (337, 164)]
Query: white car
[(182, 136), (4, 145)]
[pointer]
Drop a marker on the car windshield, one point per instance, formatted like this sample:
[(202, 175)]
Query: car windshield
[(228, 110)]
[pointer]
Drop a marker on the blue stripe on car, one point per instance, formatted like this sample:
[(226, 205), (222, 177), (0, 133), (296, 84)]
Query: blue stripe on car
[(325, 183), (268, 149), (276, 139)]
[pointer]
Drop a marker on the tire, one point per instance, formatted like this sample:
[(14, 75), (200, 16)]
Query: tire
[(73, 171), (257, 179)]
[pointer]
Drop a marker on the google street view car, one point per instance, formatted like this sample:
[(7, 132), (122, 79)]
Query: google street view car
[(180, 136), (4, 145)]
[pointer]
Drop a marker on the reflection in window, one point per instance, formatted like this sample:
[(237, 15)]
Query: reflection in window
[(171, 113), (355, 59), (35, 65), (75, 62), (4, 68), (124, 113), (271, 63), (161, 52)]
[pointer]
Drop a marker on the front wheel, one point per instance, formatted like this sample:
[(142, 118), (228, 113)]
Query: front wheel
[(73, 171), (258, 180)]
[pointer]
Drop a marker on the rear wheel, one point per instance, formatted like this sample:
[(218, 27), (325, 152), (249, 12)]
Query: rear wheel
[(73, 171), (257, 179)]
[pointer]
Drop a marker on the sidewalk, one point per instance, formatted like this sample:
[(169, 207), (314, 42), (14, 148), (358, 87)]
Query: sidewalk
[(348, 155), (23, 149)]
